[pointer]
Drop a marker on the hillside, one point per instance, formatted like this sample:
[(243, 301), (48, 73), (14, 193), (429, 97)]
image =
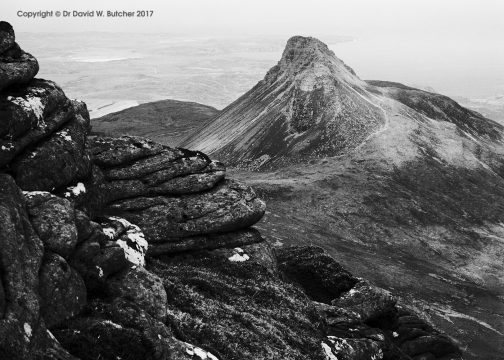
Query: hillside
[(165, 121), (389, 179)]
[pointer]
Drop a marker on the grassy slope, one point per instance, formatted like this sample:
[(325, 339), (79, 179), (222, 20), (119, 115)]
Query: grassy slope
[(165, 121), (427, 231)]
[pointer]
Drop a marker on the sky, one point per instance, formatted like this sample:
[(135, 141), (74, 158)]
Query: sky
[(446, 44)]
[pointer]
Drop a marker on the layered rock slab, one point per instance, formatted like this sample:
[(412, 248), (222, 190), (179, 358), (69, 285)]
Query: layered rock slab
[(178, 197), (16, 66)]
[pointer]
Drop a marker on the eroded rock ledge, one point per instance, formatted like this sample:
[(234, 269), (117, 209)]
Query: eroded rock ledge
[(122, 248)]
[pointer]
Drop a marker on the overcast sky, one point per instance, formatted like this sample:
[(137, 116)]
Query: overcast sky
[(463, 37)]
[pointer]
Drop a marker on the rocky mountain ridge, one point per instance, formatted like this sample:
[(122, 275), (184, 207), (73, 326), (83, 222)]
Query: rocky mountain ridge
[(123, 248)]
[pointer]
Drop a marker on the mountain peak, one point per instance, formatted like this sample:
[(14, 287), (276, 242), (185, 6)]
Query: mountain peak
[(311, 58), (301, 47)]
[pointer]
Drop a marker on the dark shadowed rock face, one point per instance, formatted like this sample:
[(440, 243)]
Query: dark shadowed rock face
[(16, 66), (316, 272), (62, 290), (53, 218), (7, 37), (20, 258)]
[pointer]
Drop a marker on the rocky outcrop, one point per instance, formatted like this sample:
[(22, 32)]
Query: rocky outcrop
[(363, 321), (16, 66), (179, 198), (122, 248)]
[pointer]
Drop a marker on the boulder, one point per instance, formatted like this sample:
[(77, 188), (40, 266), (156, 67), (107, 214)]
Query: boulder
[(28, 107), (7, 36), (58, 161), (110, 152), (20, 258), (53, 218), (17, 69), (315, 271), (149, 169), (62, 290), (375, 306), (16, 66), (230, 206), (142, 287), (128, 236)]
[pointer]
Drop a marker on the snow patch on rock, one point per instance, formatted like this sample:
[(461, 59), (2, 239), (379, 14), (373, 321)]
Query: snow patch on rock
[(30, 104), (76, 190), (328, 352), (30, 194), (28, 331), (64, 134), (7, 147), (238, 255), (132, 240), (199, 353)]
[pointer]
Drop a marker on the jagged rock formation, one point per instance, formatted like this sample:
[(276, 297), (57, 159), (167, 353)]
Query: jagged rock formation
[(78, 278)]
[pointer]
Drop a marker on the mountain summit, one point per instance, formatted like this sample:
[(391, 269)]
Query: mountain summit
[(312, 105), (309, 104)]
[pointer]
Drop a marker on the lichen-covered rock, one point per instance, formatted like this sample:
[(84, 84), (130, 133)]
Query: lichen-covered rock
[(96, 259), (110, 152), (148, 168), (62, 290), (238, 309), (143, 288), (26, 108), (53, 218), (228, 207), (59, 160), (17, 69), (319, 275), (29, 114), (371, 303), (120, 329), (20, 258), (128, 236), (16, 66)]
